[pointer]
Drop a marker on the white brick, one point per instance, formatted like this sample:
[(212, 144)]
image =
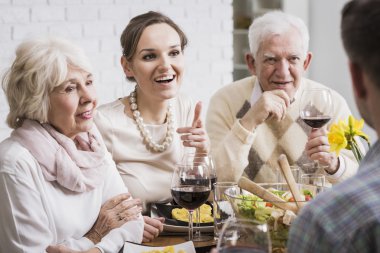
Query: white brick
[(14, 15), (184, 2), (99, 29), (112, 76), (227, 53), (8, 55), (115, 12), (221, 66), (21, 32), (4, 133), (130, 3), (205, 25), (227, 26), (82, 13), (210, 54), (93, 2), (64, 2), (90, 46), (222, 11), (102, 61), (45, 13), (28, 2), (110, 44), (65, 29), (198, 68), (5, 33), (221, 39), (157, 2), (198, 11), (141, 9), (173, 12)]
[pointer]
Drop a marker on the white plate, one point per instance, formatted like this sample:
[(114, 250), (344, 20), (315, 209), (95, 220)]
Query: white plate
[(172, 228), (182, 229), (188, 247)]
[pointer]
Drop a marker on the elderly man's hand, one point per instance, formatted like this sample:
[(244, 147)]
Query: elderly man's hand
[(271, 105), (318, 149)]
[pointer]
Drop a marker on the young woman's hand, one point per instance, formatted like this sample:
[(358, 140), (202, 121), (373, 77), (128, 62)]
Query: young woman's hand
[(195, 136)]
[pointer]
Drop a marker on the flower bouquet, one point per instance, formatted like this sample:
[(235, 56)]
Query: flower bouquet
[(342, 136)]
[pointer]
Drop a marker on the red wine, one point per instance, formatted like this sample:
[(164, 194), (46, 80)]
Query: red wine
[(199, 181), (241, 249), (316, 122), (190, 197)]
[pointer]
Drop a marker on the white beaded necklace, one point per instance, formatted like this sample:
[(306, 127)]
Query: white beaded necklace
[(147, 137)]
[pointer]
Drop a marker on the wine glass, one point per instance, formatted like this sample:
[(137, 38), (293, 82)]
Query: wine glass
[(190, 158), (316, 108), (190, 188), (243, 235)]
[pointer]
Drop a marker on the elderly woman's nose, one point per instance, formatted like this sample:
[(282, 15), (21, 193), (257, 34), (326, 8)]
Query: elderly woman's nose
[(87, 94)]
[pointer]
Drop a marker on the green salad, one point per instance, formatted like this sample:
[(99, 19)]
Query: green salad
[(253, 207)]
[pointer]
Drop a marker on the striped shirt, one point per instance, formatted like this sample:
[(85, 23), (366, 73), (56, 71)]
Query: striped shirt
[(346, 218)]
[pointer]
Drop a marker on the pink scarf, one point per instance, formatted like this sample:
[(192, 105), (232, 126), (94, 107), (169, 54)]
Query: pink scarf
[(78, 170)]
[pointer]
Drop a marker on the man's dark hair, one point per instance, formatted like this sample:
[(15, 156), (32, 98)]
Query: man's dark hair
[(360, 31)]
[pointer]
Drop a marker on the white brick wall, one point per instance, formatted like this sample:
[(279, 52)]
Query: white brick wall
[(96, 25)]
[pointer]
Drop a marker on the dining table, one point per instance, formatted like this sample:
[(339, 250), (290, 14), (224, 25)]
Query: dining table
[(167, 239)]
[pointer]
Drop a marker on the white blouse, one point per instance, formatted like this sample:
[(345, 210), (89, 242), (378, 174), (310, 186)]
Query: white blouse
[(36, 213)]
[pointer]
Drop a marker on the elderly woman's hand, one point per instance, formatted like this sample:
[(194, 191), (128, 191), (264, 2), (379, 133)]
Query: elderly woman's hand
[(195, 136), (152, 228), (113, 214), (64, 249)]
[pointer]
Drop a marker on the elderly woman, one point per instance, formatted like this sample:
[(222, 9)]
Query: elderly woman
[(58, 184)]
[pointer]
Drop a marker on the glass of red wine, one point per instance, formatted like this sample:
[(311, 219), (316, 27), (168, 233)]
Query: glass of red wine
[(243, 236), (190, 188), (190, 158), (316, 107)]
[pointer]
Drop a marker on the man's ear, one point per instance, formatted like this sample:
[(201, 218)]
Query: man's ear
[(357, 80), (307, 61), (250, 61), (126, 66)]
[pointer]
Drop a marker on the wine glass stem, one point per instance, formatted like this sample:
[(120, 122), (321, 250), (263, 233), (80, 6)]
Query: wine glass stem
[(190, 225), (198, 229)]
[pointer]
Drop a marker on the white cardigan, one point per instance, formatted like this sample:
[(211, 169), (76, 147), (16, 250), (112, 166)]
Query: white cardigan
[(36, 213)]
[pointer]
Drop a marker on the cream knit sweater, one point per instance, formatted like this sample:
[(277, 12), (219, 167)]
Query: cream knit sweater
[(237, 151)]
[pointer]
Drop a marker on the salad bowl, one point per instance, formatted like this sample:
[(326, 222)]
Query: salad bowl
[(249, 206)]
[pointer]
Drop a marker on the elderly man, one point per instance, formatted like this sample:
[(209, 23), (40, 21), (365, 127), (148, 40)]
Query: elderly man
[(252, 121), (348, 218)]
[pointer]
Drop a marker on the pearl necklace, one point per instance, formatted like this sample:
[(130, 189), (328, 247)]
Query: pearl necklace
[(147, 137)]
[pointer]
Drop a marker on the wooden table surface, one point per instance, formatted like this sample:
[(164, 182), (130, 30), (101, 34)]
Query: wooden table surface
[(166, 240)]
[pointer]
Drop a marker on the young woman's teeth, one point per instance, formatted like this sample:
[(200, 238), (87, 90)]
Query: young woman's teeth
[(165, 79)]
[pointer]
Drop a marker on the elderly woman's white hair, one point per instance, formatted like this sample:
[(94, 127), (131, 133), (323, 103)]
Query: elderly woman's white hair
[(275, 22), (41, 64)]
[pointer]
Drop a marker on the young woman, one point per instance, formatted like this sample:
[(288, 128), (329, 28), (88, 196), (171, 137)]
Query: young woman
[(144, 130)]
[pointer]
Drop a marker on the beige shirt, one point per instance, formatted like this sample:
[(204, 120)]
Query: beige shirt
[(237, 151), (147, 174)]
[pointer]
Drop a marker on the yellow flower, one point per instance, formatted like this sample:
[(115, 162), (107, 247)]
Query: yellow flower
[(341, 135), (336, 139), (356, 127)]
